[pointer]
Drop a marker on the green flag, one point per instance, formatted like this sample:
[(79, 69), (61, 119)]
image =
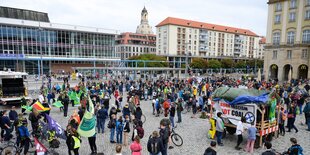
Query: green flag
[(272, 111), (28, 108), (87, 127), (58, 104)]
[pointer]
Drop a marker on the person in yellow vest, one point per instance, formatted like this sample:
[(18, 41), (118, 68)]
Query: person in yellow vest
[(194, 91), (73, 140)]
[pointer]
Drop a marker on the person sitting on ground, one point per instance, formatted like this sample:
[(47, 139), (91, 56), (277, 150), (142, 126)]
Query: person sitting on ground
[(269, 150), (211, 149), (295, 149)]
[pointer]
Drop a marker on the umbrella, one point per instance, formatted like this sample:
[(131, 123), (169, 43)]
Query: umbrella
[(259, 76)]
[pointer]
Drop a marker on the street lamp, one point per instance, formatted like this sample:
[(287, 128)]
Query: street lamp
[(41, 52)]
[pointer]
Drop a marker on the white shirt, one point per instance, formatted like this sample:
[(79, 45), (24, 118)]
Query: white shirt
[(240, 128), (41, 98)]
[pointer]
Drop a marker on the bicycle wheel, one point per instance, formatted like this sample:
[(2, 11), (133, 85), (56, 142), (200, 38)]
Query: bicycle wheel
[(143, 118), (177, 139), (10, 149)]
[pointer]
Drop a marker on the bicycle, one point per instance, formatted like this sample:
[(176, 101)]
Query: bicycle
[(11, 148), (176, 138)]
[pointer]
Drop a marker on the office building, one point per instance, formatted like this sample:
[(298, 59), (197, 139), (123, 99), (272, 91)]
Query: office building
[(29, 40), (288, 40)]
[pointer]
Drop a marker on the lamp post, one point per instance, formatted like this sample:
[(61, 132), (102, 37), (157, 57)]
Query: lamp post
[(41, 52), (186, 58)]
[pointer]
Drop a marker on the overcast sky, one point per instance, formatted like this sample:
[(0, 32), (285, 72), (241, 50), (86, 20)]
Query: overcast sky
[(124, 15)]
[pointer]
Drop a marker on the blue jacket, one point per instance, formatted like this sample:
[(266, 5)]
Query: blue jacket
[(119, 126), (13, 115), (23, 131), (102, 113), (200, 100)]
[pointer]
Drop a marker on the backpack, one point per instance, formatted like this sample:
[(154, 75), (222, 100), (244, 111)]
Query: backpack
[(119, 126), (154, 146), (140, 131), (166, 105), (54, 143)]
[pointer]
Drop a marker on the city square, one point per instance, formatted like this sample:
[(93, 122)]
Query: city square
[(237, 73)]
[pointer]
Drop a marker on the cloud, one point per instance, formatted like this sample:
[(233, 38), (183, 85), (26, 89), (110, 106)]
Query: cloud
[(124, 15)]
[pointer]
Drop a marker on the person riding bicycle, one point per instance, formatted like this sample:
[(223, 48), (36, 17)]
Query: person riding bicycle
[(24, 136)]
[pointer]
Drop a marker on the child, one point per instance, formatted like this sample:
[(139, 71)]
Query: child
[(118, 150)]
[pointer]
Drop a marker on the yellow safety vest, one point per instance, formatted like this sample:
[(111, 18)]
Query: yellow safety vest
[(77, 142)]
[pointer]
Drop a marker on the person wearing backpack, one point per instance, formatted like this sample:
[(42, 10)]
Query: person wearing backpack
[(295, 149), (112, 126), (164, 135), (155, 144), (166, 106), (139, 129), (119, 130)]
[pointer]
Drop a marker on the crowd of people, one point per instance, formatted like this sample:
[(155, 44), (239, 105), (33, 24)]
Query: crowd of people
[(169, 98)]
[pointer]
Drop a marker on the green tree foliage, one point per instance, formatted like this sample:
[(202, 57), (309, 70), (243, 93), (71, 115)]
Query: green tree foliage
[(259, 63), (240, 64), (214, 64), (227, 63), (149, 57), (199, 63)]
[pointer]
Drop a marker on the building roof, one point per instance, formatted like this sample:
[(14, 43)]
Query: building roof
[(262, 41), (15, 13), (196, 24)]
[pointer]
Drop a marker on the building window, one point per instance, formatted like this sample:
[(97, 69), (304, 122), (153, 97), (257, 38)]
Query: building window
[(306, 36), (276, 38), (304, 54), (277, 19), (292, 17), (293, 4), (290, 37), (289, 54), (278, 7), (274, 54), (308, 3), (307, 15)]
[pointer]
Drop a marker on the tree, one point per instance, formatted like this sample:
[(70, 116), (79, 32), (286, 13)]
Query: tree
[(240, 64), (227, 63), (156, 61), (214, 64), (199, 63)]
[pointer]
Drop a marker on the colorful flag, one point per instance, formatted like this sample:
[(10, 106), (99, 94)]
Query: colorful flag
[(272, 111), (58, 104), (74, 96), (87, 127), (39, 107), (27, 107), (40, 148), (53, 125)]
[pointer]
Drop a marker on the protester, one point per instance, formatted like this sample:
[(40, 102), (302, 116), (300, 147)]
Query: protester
[(211, 149), (119, 130), (295, 149), (102, 115), (306, 111), (136, 147), (155, 144), (269, 150), (92, 144), (239, 132), (251, 138), (292, 117), (112, 126), (219, 129), (24, 136), (164, 135), (126, 130), (172, 114), (6, 126), (281, 121), (118, 150)]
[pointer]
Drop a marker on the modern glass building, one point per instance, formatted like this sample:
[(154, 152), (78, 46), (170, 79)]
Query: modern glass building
[(29, 41)]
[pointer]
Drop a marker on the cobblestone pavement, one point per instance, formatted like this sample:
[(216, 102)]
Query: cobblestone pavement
[(193, 131)]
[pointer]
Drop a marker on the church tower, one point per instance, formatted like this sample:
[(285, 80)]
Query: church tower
[(144, 27)]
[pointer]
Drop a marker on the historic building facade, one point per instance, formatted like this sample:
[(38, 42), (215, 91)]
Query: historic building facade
[(142, 42), (288, 40)]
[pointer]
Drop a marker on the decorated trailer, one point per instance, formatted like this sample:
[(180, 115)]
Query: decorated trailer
[(259, 110)]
